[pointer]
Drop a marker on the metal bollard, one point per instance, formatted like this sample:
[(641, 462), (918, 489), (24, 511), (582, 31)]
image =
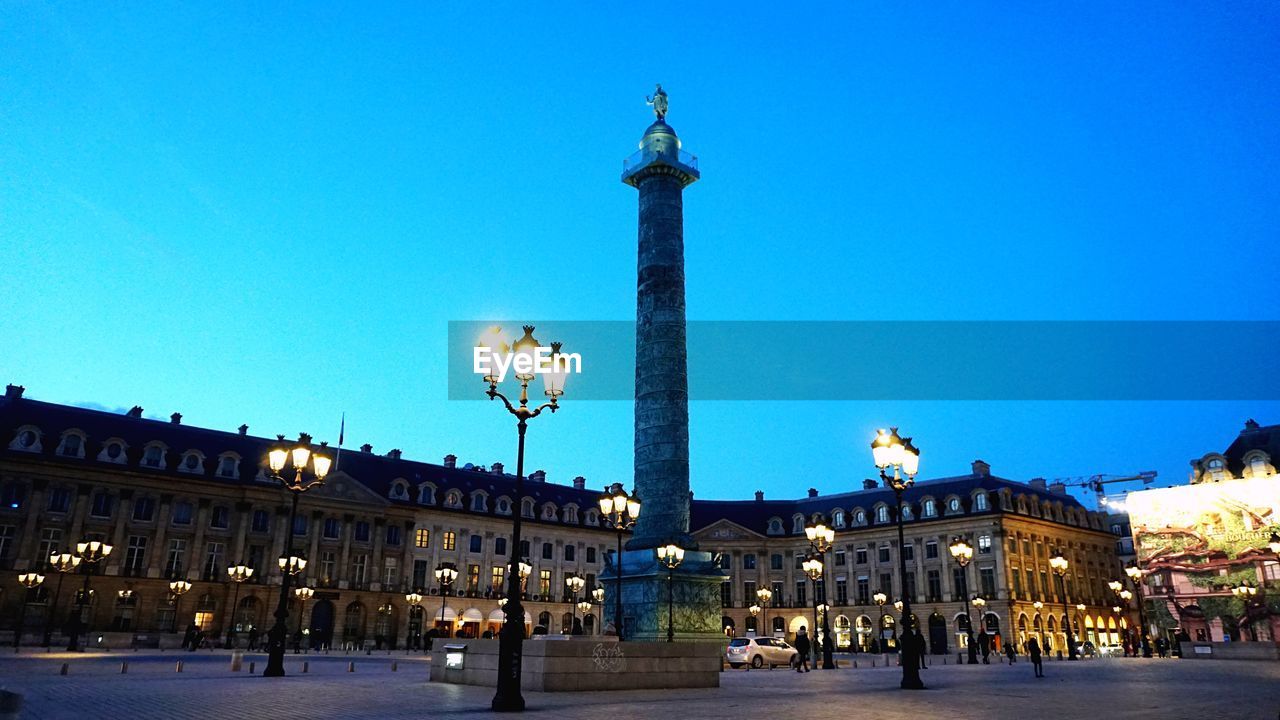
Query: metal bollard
[(65, 668), (306, 667), (393, 666), (351, 666), (237, 659), (124, 667), (251, 667), (178, 667)]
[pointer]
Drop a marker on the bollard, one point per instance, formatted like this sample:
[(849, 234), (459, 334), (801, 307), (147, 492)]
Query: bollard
[(306, 667), (945, 659), (237, 659), (178, 667), (351, 666), (251, 667), (124, 667), (393, 666), (65, 668)]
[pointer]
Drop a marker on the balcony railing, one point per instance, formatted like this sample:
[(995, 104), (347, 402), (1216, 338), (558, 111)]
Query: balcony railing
[(643, 157)]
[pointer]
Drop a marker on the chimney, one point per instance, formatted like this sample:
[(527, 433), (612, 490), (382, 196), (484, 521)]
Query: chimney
[(451, 461), (134, 412), (13, 392), (538, 476), (366, 448), (176, 418), (496, 468), (1058, 488), (1038, 483), (394, 454), (244, 429), (981, 468), (813, 492), (759, 496), (579, 483), (869, 484)]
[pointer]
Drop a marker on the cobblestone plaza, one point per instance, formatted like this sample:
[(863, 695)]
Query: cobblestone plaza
[(1112, 688)]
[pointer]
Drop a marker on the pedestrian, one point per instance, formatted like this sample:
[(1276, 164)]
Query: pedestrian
[(984, 646), (1011, 653), (1162, 646), (1033, 650), (253, 639), (917, 640), (803, 647)]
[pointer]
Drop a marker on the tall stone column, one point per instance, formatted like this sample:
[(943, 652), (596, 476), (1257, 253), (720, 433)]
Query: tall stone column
[(660, 171)]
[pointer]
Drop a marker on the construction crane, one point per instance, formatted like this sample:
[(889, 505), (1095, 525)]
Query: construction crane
[(1097, 483)]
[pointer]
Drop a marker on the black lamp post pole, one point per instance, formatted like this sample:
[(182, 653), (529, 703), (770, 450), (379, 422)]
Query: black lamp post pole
[(907, 650), (1142, 620), (617, 595), (1066, 610), (968, 616), (53, 610), (671, 628), (277, 636)]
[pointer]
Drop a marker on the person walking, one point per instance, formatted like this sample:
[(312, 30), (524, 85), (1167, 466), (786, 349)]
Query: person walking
[(1033, 650), (1011, 653), (803, 647)]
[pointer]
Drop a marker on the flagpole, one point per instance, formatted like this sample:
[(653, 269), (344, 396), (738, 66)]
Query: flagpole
[(342, 431)]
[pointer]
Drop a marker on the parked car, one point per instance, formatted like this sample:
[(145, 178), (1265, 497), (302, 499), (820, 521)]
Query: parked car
[(758, 652)]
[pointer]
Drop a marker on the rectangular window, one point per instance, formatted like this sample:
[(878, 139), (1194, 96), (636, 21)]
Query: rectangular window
[(886, 584), (101, 505), (60, 500), (909, 552), (332, 529), (182, 513), (775, 561), (909, 586), (726, 594), (393, 535), (544, 583), (473, 578), (500, 547), (883, 553), (842, 592), (864, 591), (220, 518), (1044, 583), (450, 541), (801, 585), (1017, 582), (840, 558), (931, 550), (7, 533), (257, 561), (420, 570), (300, 525), (749, 561), (50, 539), (749, 592), (359, 570), (390, 573), (548, 552), (524, 549), (726, 561), (476, 544), (860, 556), (362, 531), (213, 565), (591, 554), (136, 555), (984, 544), (1031, 581), (260, 521), (144, 509), (776, 587), (570, 552), (177, 553), (498, 579), (987, 580), (959, 583), (934, 580)]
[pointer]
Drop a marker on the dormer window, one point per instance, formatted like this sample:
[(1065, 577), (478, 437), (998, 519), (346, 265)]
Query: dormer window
[(882, 514), (399, 491), (860, 517), (980, 502), (192, 462), (593, 519), (113, 451), (228, 466), (570, 514), (27, 438), (1217, 469), (153, 457), (930, 508), (72, 444), (775, 526), (453, 499), (837, 518), (953, 505), (478, 503), (548, 512), (504, 506), (426, 495), (906, 511), (526, 507), (797, 524)]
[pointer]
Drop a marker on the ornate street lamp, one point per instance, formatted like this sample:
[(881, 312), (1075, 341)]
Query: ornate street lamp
[(621, 511), (598, 595), (1059, 564), (813, 567), (880, 599), (584, 607), (962, 551), (414, 599), (63, 562), (30, 581), (238, 574), (821, 538), (891, 451), (303, 461), (177, 588), (303, 593), (1135, 575), (507, 697), (91, 552), (1247, 592), (574, 583), (979, 606), (765, 595), (670, 555), (446, 573)]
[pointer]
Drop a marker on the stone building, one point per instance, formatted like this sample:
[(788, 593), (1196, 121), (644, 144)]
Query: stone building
[(177, 501)]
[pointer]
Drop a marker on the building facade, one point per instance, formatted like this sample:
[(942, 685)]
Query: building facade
[(180, 502)]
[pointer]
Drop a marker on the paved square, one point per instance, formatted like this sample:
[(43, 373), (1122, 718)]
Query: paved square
[(1112, 688)]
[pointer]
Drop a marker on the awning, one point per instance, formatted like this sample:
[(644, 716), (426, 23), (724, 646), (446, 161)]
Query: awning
[(497, 616), (449, 614), (472, 615)]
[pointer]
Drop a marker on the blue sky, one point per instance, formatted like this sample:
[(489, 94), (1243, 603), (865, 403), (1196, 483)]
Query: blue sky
[(269, 214)]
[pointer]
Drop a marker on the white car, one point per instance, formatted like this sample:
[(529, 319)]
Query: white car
[(758, 652)]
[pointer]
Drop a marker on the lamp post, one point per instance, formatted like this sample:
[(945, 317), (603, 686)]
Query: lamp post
[(414, 600), (1247, 592), (29, 581), (880, 599), (1135, 574), (1038, 605), (507, 697), (303, 593), (1059, 564), (446, 573), (891, 451), (670, 555), (91, 553), (238, 574), (755, 612), (765, 595), (178, 588), (821, 538), (574, 583), (621, 511), (979, 605), (962, 551), (813, 567), (301, 457), (64, 563)]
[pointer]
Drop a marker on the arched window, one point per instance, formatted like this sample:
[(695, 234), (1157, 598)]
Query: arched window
[(953, 505), (906, 511), (930, 508), (837, 518), (72, 444), (228, 465), (882, 514), (797, 523), (526, 507), (570, 514), (426, 495), (453, 499), (504, 505), (980, 501), (353, 623), (153, 456), (478, 503), (860, 517)]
